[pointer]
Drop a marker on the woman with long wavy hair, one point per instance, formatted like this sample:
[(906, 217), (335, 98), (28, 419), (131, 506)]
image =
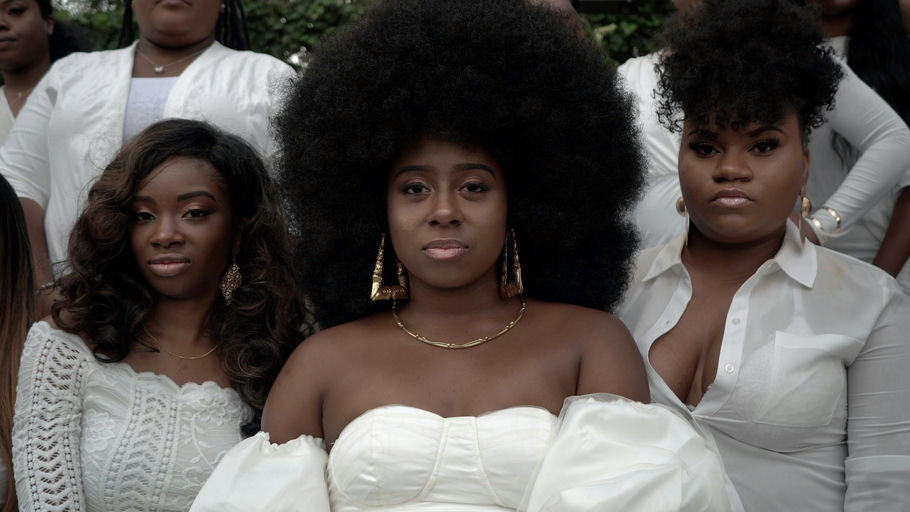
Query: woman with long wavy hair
[(174, 322), (16, 315)]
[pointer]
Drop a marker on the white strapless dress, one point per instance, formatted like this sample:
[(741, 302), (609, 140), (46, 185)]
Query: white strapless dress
[(602, 453)]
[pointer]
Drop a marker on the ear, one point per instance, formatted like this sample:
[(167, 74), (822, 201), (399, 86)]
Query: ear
[(50, 26), (807, 158)]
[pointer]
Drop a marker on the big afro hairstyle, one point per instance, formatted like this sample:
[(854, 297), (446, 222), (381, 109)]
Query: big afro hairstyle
[(106, 298), (734, 62), (501, 75)]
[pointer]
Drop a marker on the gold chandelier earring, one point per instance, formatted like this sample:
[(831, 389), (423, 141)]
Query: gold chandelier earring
[(230, 281), (514, 287), (805, 208), (381, 291), (681, 210)]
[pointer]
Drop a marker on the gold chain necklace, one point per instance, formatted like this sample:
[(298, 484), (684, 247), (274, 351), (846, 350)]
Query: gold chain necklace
[(472, 343), (178, 356)]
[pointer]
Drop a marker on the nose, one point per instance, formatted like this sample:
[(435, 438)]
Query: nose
[(445, 209), (733, 166), (166, 233)]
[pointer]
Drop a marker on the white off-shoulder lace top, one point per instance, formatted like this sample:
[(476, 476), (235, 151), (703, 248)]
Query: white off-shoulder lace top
[(92, 436)]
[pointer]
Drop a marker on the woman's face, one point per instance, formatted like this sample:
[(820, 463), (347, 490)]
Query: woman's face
[(23, 34), (447, 213), (177, 23), (741, 185), (182, 229)]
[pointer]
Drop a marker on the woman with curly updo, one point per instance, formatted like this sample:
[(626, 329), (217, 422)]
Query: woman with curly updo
[(462, 224), (794, 357), (173, 325)]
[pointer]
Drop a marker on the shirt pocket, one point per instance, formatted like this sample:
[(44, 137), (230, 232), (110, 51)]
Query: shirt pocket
[(808, 379)]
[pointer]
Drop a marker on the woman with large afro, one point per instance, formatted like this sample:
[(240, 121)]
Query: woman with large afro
[(793, 356), (481, 149)]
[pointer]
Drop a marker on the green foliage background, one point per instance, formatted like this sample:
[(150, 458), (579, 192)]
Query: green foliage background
[(290, 29)]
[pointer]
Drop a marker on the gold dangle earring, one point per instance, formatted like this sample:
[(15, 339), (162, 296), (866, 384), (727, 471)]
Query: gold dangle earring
[(805, 207), (380, 291), (681, 210), (230, 281), (516, 286)]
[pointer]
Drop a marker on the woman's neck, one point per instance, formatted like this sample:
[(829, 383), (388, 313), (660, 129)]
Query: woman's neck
[(186, 322), (476, 306), (18, 83), (729, 262), (158, 59)]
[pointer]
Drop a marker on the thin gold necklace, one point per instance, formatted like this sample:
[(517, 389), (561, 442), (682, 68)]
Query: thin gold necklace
[(472, 343), (159, 68), (178, 356)]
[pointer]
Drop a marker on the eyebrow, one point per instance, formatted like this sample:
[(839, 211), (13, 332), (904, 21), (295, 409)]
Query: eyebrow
[(713, 135), (470, 166), (181, 197)]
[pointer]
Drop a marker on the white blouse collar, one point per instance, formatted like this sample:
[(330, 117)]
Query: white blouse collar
[(796, 260)]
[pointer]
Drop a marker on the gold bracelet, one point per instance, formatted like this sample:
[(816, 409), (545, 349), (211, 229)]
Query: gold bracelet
[(833, 213)]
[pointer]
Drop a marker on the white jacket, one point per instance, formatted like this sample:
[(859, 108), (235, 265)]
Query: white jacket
[(72, 125)]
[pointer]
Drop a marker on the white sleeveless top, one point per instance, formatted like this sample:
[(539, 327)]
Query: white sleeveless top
[(603, 453)]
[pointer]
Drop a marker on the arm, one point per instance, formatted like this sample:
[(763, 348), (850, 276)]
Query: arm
[(611, 362), (34, 220), (47, 423), (284, 465), (895, 248), (878, 413), (871, 126), (24, 163)]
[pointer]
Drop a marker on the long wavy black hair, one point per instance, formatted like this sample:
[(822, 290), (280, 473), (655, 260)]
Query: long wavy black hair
[(501, 75), (733, 62), (231, 29), (106, 298)]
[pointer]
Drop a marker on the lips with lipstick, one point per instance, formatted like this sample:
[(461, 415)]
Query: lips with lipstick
[(168, 266), (445, 250), (732, 198)]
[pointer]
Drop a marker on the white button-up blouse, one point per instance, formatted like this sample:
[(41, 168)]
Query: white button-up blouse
[(810, 408)]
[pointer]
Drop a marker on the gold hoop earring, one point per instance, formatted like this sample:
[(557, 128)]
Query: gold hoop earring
[(805, 207), (681, 206), (516, 286), (230, 281), (380, 291)]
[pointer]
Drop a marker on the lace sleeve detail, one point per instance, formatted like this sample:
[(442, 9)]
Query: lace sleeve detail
[(47, 423)]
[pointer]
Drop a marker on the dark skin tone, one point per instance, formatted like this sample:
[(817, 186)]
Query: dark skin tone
[(555, 351), (24, 51), (181, 239), (739, 187), (169, 30)]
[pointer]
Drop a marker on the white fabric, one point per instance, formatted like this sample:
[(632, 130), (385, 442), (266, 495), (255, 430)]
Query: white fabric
[(812, 379), (860, 116), (91, 436), (6, 115), (146, 102), (72, 124), (864, 239), (604, 453)]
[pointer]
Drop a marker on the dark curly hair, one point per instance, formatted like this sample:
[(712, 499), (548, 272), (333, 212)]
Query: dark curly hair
[(734, 62), (107, 299), (501, 75)]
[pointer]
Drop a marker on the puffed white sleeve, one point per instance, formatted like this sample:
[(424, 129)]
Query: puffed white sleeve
[(878, 412), (257, 475), (610, 453), (870, 125), (47, 425), (24, 153)]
